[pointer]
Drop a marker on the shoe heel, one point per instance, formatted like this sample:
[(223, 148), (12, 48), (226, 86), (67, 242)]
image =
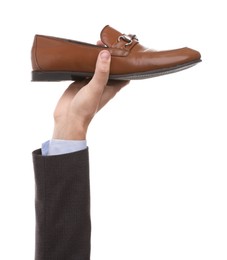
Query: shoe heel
[(49, 76), (58, 75)]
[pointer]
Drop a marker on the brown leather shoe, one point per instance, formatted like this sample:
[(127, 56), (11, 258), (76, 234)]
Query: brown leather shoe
[(56, 59)]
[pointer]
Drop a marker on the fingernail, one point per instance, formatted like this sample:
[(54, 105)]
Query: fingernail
[(105, 55)]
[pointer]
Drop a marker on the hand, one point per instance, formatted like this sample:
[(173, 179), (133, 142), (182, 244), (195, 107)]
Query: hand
[(83, 99)]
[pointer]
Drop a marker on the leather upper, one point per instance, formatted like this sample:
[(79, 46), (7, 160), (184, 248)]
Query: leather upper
[(128, 55)]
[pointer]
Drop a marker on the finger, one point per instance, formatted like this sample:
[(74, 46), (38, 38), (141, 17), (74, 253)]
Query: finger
[(101, 75), (100, 43)]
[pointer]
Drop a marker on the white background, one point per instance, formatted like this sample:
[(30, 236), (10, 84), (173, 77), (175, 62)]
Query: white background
[(157, 151)]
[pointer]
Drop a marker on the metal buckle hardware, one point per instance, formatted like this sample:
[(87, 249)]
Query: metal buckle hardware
[(128, 38)]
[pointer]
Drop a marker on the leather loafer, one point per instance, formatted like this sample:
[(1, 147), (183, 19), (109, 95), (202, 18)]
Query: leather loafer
[(57, 59)]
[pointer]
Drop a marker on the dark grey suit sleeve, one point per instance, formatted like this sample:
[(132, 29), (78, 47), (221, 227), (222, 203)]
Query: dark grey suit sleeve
[(62, 206)]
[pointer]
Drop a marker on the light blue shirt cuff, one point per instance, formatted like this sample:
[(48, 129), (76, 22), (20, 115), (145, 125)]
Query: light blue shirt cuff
[(57, 146)]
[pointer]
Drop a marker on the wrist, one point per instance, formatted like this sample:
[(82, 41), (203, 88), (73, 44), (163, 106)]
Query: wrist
[(69, 133)]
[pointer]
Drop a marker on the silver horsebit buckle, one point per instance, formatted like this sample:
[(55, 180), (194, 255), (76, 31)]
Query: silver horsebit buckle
[(128, 38)]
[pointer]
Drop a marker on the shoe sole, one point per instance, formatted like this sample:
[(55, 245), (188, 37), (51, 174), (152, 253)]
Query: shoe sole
[(72, 75)]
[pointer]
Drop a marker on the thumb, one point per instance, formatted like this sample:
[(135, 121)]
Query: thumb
[(102, 69)]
